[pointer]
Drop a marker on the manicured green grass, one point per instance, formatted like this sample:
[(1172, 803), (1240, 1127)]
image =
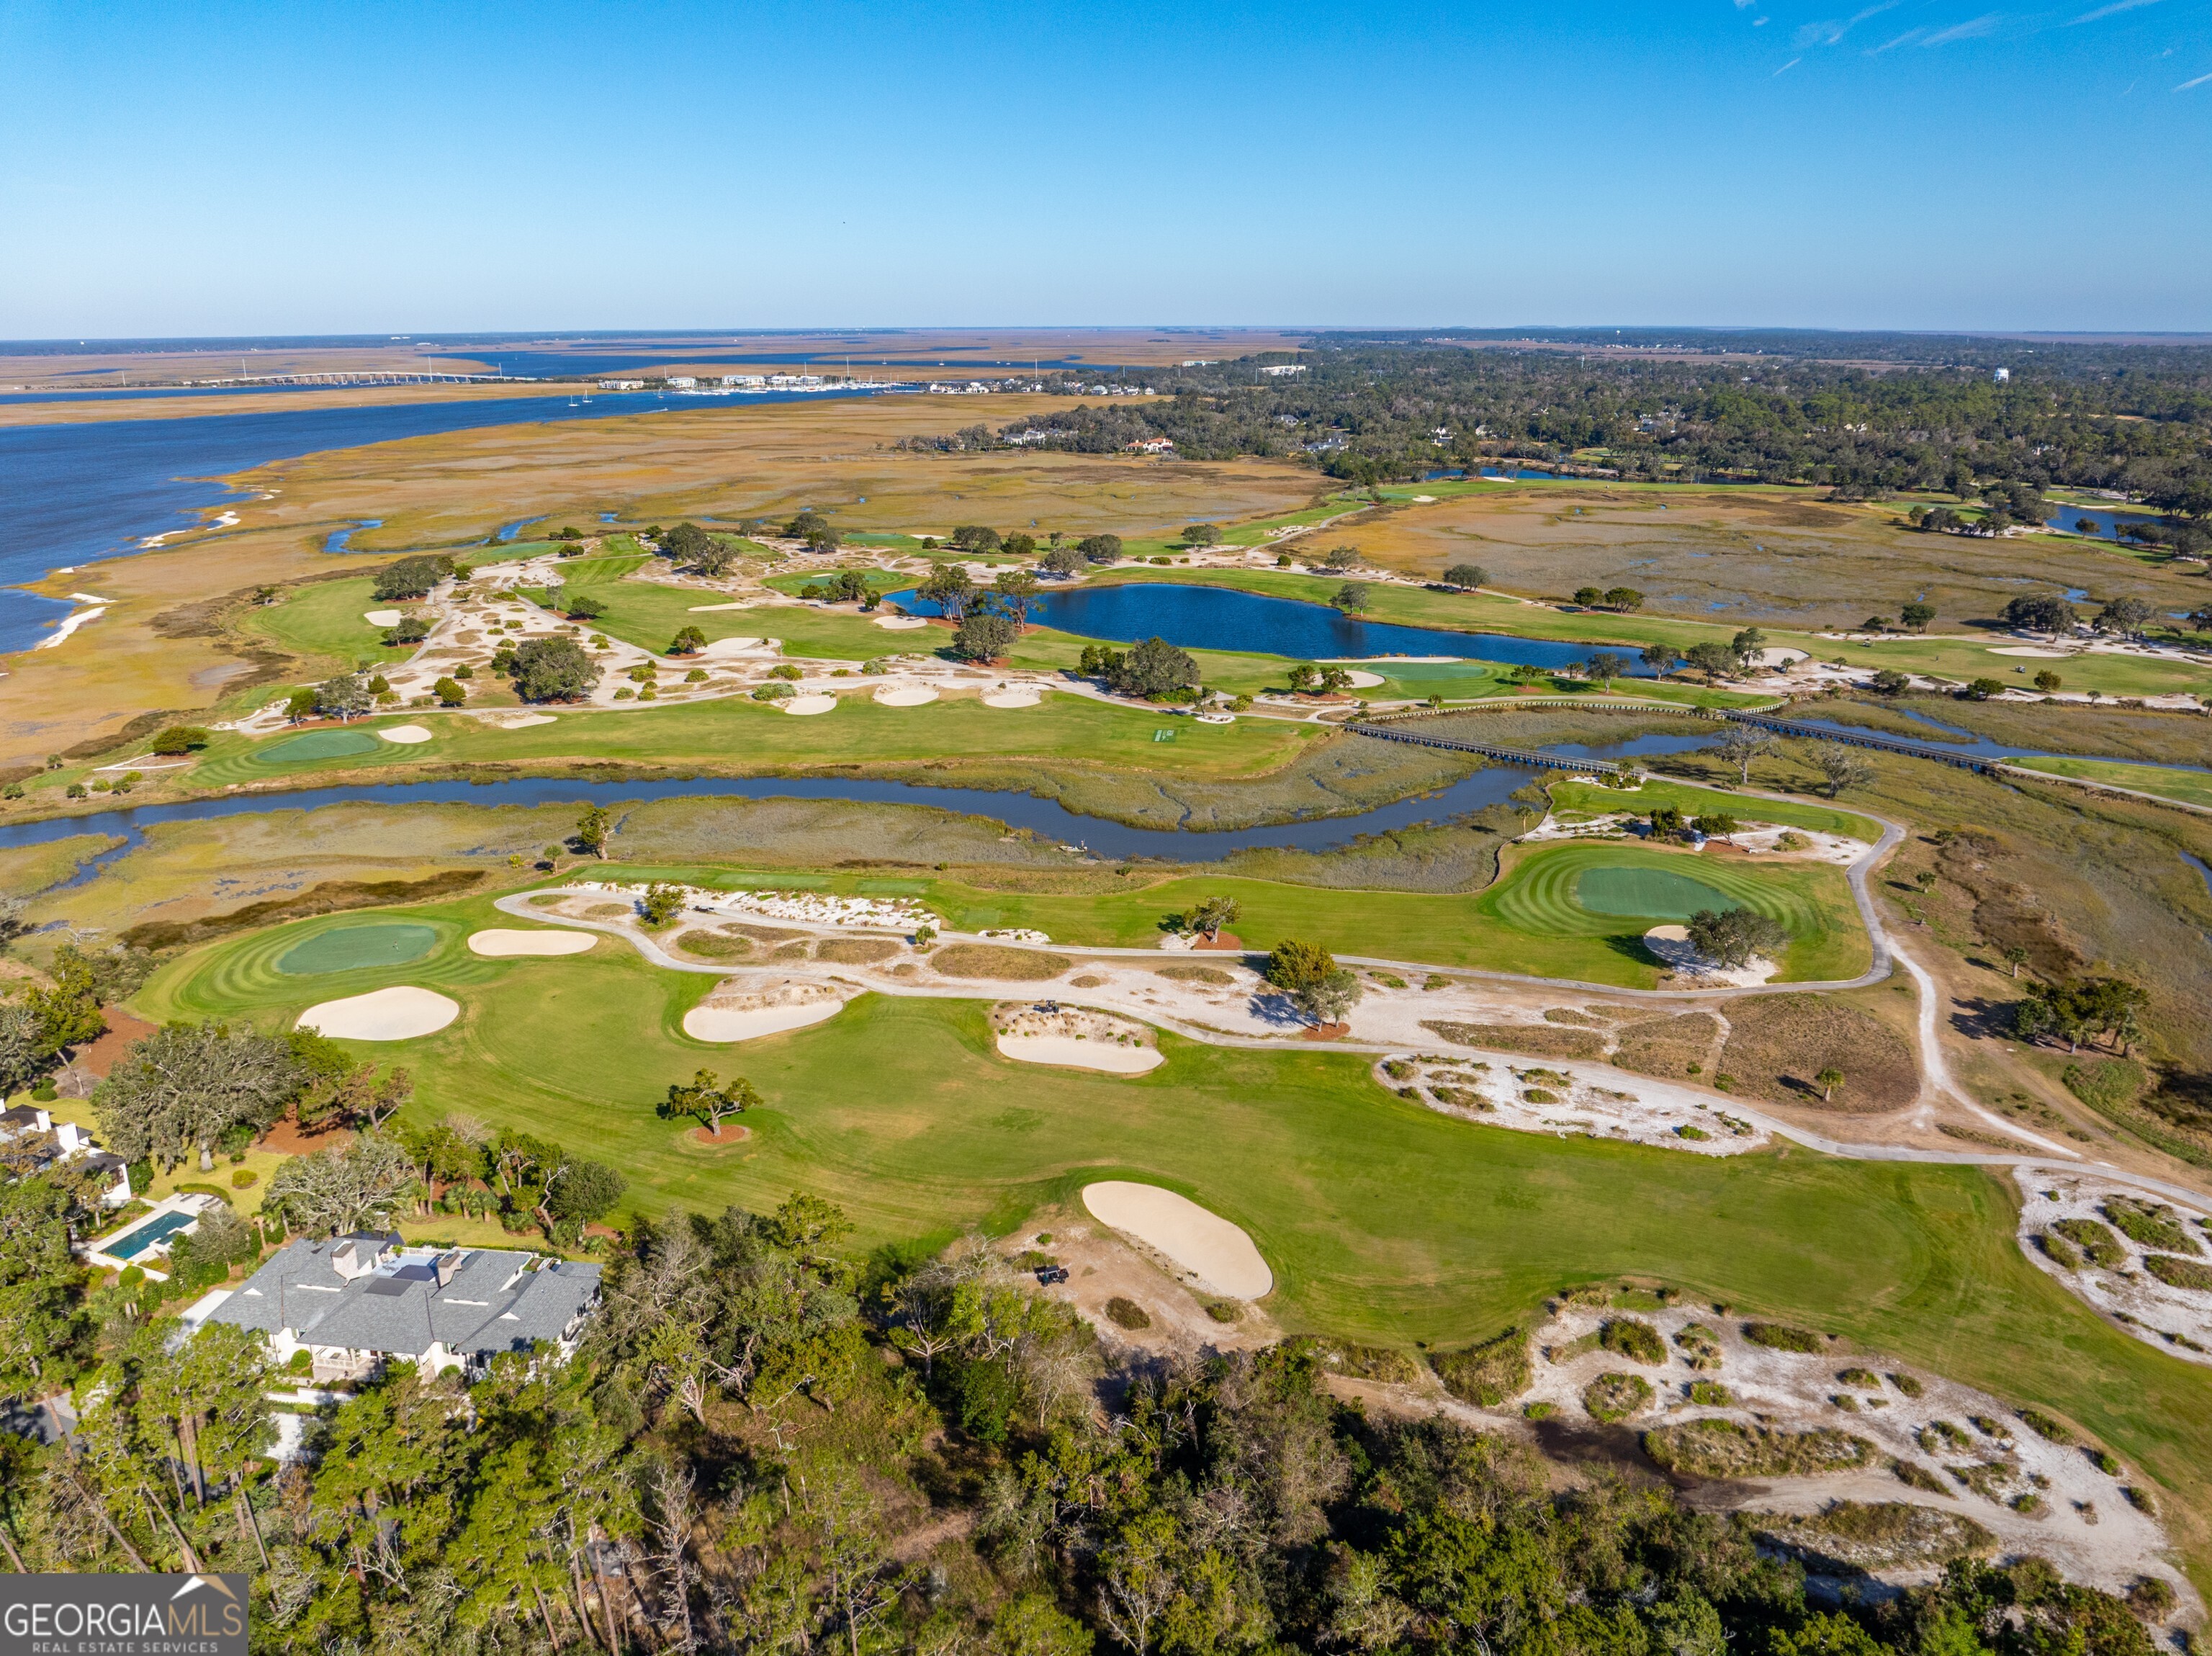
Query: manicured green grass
[(318, 746), (742, 735), (322, 621), (365, 946), (1538, 896), (1610, 888), (2166, 781), (1382, 1220)]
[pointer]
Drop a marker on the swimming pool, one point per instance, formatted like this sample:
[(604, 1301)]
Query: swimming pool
[(148, 1235)]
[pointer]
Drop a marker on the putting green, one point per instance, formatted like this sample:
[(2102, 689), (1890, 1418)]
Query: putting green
[(1658, 894), (316, 744), (349, 948)]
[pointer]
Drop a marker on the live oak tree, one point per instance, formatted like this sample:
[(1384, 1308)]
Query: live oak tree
[(347, 696), (1734, 936), (410, 578), (1467, 576), (554, 670), (706, 1097), (950, 588), (1321, 990), (1740, 745), (984, 636), (334, 1192), (1841, 767), (592, 828), (1351, 598), (1100, 548), (1660, 658), (183, 1087)]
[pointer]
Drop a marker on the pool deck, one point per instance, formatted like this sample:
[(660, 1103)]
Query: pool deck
[(97, 1253)]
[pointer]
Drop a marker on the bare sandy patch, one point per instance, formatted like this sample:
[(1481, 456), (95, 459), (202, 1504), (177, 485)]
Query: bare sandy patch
[(804, 706), (501, 943), (1075, 1037), (381, 617), (1538, 1098), (507, 721), (1074, 1052), (2172, 1316), (1212, 1252), (1026, 695), (399, 1013), (731, 647), (705, 608), (905, 695), (2036, 650), (901, 623), (408, 734)]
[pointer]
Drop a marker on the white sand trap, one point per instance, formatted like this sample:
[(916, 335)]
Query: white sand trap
[(501, 943), (399, 1013), (1363, 680), (407, 733), (2040, 653), (1780, 655), (1220, 1254), (707, 608), (905, 695), (1071, 1053), (381, 617), (1026, 695), (1672, 944), (517, 721), (718, 1023), (730, 646), (805, 705), (901, 623)]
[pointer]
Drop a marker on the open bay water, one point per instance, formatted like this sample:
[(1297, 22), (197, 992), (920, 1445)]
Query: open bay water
[(1223, 618), (75, 495)]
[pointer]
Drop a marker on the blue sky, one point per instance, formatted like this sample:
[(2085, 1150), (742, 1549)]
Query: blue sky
[(313, 167)]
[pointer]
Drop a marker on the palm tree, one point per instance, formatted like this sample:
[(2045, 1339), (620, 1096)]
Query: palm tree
[(1829, 1079)]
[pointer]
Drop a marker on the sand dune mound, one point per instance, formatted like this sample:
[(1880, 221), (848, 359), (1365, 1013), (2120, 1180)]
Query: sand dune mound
[(499, 944), (738, 1012), (1019, 696), (399, 1013), (1218, 1255)]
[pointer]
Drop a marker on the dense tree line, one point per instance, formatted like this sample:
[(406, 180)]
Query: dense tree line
[(1367, 409), (768, 1445)]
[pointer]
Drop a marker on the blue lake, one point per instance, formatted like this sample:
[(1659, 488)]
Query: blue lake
[(78, 494), (1222, 618)]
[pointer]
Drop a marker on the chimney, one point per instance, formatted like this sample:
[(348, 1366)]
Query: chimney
[(447, 1265), (355, 1257)]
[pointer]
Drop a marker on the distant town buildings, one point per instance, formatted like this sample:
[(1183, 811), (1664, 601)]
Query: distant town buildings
[(2001, 375), (682, 382), (1281, 370), (745, 381), (622, 384), (355, 1303), (1152, 445)]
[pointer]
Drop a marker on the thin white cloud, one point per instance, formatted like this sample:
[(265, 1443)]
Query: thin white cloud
[(1761, 22), (1831, 31), (1787, 67), (1973, 29), (1906, 38), (2199, 81), (2112, 10)]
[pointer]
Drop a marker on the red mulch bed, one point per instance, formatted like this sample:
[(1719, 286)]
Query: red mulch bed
[(1227, 943), (286, 1139), (732, 1137), (1327, 1032), (100, 1056)]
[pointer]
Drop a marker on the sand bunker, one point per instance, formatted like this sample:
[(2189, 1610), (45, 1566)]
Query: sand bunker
[(901, 623), (382, 617), (1024, 695), (400, 1013), (1071, 1053), (1672, 944), (905, 695), (500, 944), (746, 1017), (704, 609), (2030, 650), (1218, 1255), (805, 705), (1363, 680), (730, 646), (407, 733), (516, 721)]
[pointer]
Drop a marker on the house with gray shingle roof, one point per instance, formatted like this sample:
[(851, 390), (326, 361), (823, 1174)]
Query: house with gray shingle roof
[(356, 1303)]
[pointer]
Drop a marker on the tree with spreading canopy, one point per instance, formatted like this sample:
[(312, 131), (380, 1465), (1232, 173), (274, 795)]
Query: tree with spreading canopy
[(1467, 576), (554, 670), (183, 1087), (1734, 936), (706, 1097)]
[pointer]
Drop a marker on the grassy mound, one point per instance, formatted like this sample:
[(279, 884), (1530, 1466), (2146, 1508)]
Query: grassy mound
[(1209, 974), (714, 946), (2097, 1245), (1487, 1374), (1727, 1448), (1780, 1337), (984, 960), (855, 951), (317, 746), (354, 948), (1610, 1398), (2176, 1272), (1856, 1535), (1538, 1040), (2152, 1223)]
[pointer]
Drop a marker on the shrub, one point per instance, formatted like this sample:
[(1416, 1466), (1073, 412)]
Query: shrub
[(1780, 1337), (2176, 1272), (2102, 1248), (1727, 1448), (2029, 1505), (1701, 1346), (1374, 1362), (1917, 1476), (2151, 1598), (1939, 1435), (1126, 1313), (1686, 1131), (784, 670), (1866, 1379), (2059, 1250), (2102, 1460), (1711, 1393), (2044, 1427), (1223, 1311), (243, 1179), (1907, 1383), (1611, 1398), (1639, 1342), (2140, 1500), (1989, 1428), (179, 740), (2152, 1223), (1489, 1374), (1539, 1410)]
